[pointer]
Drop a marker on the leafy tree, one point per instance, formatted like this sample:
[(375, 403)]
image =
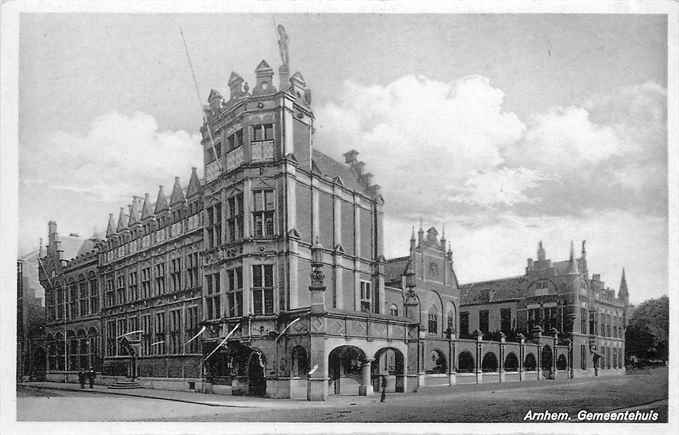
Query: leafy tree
[(648, 330)]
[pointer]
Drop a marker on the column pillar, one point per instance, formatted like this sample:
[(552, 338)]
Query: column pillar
[(317, 384), (479, 355), (555, 354), (501, 363), (247, 208), (451, 361), (522, 353), (366, 388)]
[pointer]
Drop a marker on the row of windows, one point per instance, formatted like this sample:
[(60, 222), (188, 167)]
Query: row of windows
[(602, 324), (259, 132), (484, 321), (183, 274), (76, 300), (262, 218), (159, 333), (262, 292)]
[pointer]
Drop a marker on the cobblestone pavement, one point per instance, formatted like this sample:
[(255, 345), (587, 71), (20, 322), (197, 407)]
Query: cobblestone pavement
[(465, 403)]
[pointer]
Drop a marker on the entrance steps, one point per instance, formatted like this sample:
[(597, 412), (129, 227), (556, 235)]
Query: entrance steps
[(125, 385)]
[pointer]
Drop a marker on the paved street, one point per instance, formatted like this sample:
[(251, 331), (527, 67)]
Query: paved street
[(468, 403)]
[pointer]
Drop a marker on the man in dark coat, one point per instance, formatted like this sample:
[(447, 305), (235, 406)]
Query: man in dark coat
[(90, 376), (81, 379)]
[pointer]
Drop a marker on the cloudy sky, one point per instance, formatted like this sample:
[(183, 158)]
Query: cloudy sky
[(508, 129)]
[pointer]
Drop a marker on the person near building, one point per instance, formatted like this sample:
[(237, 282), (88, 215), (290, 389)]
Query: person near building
[(91, 374)]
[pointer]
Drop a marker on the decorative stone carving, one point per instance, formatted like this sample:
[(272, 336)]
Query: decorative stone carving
[(336, 327)]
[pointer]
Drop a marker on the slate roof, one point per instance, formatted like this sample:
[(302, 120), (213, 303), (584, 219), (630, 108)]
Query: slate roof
[(394, 269), (332, 168), (492, 291)]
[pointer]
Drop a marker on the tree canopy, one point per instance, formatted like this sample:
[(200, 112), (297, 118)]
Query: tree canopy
[(648, 330)]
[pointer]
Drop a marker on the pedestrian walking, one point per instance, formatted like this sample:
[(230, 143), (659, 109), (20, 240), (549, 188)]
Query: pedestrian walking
[(384, 388), (90, 376), (81, 379)]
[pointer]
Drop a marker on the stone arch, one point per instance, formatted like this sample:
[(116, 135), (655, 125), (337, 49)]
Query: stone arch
[(529, 362), (561, 362), (511, 362), (388, 366), (439, 363), (465, 362), (299, 362), (344, 369), (489, 362), (256, 368)]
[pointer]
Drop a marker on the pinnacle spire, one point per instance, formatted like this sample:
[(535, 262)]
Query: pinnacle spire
[(134, 211), (623, 292), (177, 193), (122, 220), (194, 183), (541, 252), (572, 263), (110, 228), (146, 210), (412, 235), (161, 201)]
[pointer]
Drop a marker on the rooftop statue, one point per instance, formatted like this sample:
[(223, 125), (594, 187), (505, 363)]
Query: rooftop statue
[(283, 44)]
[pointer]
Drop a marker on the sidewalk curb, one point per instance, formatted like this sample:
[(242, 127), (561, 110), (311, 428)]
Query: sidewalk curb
[(120, 393)]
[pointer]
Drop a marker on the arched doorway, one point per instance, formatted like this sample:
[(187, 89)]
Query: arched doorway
[(561, 362), (344, 369), (465, 362), (438, 362), (256, 378), (299, 364), (489, 362), (511, 362), (388, 363), (546, 361), (529, 363)]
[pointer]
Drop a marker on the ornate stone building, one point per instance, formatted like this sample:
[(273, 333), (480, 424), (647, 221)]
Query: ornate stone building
[(550, 298)]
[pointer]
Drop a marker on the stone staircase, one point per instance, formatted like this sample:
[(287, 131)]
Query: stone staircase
[(125, 385)]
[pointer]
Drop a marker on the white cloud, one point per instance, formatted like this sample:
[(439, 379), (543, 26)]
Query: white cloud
[(118, 157), (506, 186), (417, 134)]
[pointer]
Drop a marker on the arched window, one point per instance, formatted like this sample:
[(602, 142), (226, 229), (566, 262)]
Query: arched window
[(529, 363), (438, 362), (465, 362), (489, 362), (393, 310), (561, 363), (511, 362), (433, 320)]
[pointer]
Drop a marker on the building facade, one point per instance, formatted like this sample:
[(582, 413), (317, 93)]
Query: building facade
[(553, 298)]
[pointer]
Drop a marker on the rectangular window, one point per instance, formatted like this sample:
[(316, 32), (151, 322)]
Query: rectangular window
[(73, 301), (192, 329), (110, 292), (94, 296), (483, 321), (134, 286), (366, 293), (192, 267), (147, 335), (235, 140), (120, 290), (159, 339), (464, 323), (234, 292), (505, 320), (84, 298), (122, 328), (176, 274), (146, 283), (262, 288), (583, 320), (175, 331), (111, 338), (263, 214), (234, 218), (262, 132), (212, 300), (160, 278), (60, 303), (592, 322)]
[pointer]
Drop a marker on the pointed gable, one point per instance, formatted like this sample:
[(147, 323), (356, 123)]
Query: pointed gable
[(263, 66), (110, 228), (194, 184), (234, 78), (146, 209), (122, 220), (135, 211), (177, 196), (161, 201)]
